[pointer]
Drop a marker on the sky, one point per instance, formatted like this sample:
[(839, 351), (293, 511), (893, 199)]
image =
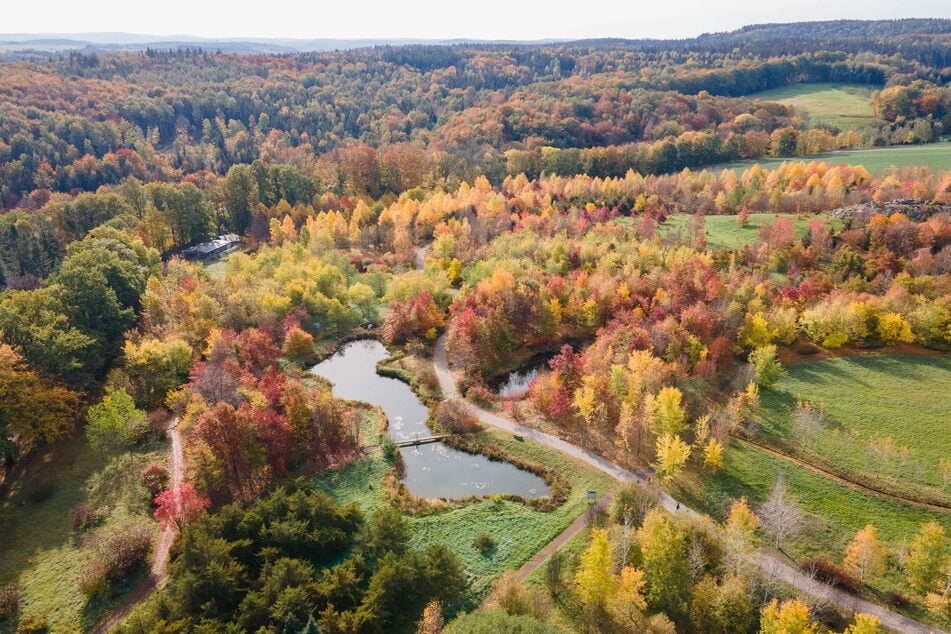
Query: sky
[(440, 19)]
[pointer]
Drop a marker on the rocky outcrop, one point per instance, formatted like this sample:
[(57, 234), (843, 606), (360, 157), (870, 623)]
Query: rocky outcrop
[(917, 210)]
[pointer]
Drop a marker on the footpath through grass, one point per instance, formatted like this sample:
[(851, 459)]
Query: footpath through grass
[(39, 551), (868, 399), (518, 531), (837, 512), (844, 106)]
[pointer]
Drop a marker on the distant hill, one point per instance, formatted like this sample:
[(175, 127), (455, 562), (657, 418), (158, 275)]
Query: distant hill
[(840, 33), (17, 44)]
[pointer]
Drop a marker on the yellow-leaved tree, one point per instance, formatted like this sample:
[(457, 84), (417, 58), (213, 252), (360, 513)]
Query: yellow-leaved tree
[(667, 415), (865, 555), (792, 617), (594, 577), (626, 602), (672, 455)]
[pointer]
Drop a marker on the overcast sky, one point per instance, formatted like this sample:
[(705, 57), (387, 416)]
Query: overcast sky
[(483, 19)]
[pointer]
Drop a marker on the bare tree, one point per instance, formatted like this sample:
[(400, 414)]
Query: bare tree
[(626, 530), (808, 421), (781, 517), (696, 559)]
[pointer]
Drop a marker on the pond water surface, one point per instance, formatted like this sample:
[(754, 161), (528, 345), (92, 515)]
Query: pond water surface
[(434, 470)]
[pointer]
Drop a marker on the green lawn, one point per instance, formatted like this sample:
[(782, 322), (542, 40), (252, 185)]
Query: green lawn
[(519, 531), (837, 512), (845, 106), (906, 398), (39, 550), (723, 231), (937, 156)]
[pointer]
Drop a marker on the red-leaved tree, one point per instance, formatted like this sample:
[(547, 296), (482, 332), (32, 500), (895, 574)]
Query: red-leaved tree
[(177, 507)]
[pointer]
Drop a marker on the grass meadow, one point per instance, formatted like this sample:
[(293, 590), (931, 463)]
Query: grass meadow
[(936, 156), (724, 231), (867, 399), (40, 552), (844, 106), (519, 531)]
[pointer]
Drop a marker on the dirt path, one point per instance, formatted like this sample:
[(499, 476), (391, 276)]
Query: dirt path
[(576, 527), (855, 486), (157, 574), (770, 563)]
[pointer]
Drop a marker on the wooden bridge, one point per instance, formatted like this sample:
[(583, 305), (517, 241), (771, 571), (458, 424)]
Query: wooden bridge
[(421, 440)]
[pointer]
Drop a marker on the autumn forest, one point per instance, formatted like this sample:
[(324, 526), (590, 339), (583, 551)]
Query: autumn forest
[(647, 277)]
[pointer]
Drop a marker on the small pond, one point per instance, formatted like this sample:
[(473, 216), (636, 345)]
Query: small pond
[(434, 470)]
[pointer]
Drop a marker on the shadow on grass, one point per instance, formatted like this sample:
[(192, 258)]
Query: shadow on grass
[(97, 609), (40, 549)]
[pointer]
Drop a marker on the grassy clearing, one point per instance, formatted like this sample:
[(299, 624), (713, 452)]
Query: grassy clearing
[(837, 512), (937, 156), (844, 106), (723, 231), (518, 530), (40, 552), (906, 398)]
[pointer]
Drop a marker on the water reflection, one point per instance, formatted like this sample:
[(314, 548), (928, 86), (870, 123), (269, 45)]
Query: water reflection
[(433, 470)]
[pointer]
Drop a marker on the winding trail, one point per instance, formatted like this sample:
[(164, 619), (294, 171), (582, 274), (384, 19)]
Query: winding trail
[(855, 486), (770, 563), (158, 573)]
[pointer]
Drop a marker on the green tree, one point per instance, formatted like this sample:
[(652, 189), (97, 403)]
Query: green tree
[(240, 190), (114, 422), (664, 561), (766, 367), (667, 415), (927, 558)]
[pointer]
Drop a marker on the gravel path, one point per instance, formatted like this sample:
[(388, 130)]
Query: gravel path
[(158, 573), (771, 563)]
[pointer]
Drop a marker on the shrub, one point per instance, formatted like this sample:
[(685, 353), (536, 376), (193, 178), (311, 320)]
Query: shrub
[(83, 518), (157, 422), (898, 600), (117, 559), (127, 551), (9, 601), (298, 343), (33, 624), (455, 418), (389, 449), (828, 572), (92, 579), (155, 479), (484, 543), (481, 395)]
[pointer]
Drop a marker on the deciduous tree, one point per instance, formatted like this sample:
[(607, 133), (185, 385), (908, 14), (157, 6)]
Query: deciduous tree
[(594, 576), (864, 555)]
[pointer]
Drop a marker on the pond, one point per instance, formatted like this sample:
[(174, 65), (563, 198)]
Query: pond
[(434, 470)]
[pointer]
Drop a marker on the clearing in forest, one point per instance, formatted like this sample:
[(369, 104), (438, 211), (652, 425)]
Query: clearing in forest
[(842, 106), (878, 419)]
